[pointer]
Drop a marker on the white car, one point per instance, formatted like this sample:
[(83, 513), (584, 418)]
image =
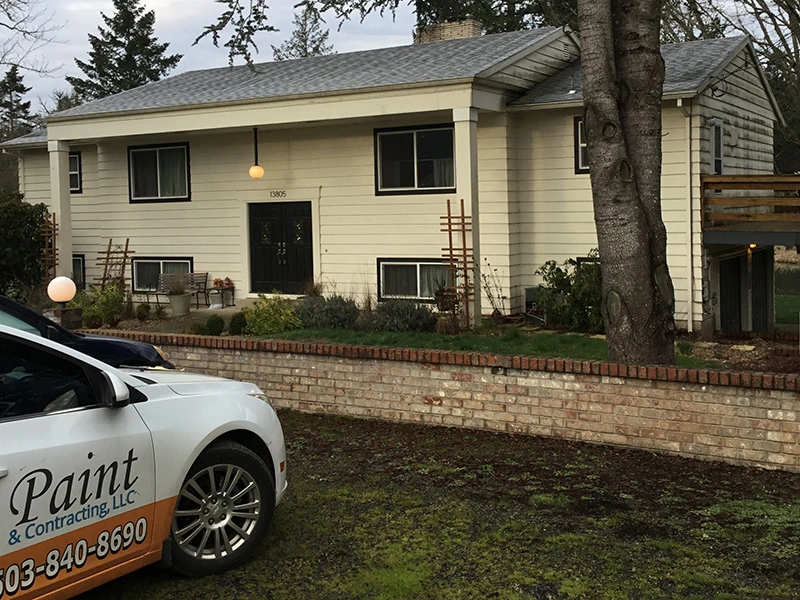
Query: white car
[(105, 470)]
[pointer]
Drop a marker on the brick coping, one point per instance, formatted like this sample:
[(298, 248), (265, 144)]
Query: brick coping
[(747, 379)]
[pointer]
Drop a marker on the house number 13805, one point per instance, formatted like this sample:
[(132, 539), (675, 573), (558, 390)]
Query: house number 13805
[(277, 194)]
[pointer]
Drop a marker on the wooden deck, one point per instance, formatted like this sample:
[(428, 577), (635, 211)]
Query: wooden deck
[(729, 203)]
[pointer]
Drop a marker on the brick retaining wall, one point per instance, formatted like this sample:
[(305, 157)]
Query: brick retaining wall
[(744, 418)]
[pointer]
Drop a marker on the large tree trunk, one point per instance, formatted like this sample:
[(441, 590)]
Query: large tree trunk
[(623, 77)]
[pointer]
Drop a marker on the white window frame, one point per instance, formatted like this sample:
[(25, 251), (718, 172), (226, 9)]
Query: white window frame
[(160, 261), (380, 134), (157, 149), (405, 262), (78, 172), (581, 144)]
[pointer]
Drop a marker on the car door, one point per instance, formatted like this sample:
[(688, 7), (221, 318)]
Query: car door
[(76, 477)]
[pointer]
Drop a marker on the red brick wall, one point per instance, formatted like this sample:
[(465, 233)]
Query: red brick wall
[(743, 418)]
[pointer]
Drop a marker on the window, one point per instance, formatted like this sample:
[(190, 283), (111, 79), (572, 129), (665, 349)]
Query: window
[(159, 173), (75, 174), (79, 271), (415, 160), (35, 381), (717, 139), (147, 270), (581, 147), (415, 279)]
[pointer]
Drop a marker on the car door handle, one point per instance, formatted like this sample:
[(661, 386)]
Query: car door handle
[(3, 473)]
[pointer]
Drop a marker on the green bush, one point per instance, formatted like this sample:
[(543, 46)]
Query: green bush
[(327, 313), (92, 317), (238, 323), (161, 312), (143, 312), (21, 243), (402, 315), (571, 295), (271, 315), (215, 325), (100, 306)]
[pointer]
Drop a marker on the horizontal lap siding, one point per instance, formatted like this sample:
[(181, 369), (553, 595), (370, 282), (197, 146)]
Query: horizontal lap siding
[(556, 217)]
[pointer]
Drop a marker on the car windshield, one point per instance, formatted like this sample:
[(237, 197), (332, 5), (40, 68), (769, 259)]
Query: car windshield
[(12, 321)]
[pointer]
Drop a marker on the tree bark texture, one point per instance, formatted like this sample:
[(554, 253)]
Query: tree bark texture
[(623, 77)]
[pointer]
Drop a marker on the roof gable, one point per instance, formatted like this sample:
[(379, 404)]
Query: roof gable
[(688, 67)]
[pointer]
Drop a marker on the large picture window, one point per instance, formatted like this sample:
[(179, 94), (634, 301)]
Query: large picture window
[(581, 147), (75, 173), (411, 278), (147, 270), (159, 173), (415, 160)]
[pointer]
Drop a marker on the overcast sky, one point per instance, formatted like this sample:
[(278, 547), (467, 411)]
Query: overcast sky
[(179, 22)]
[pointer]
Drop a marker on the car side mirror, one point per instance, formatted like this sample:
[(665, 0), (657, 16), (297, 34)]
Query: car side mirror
[(113, 391)]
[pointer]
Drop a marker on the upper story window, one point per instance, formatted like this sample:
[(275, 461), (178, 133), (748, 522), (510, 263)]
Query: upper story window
[(75, 174), (418, 160), (717, 148), (159, 173), (581, 147)]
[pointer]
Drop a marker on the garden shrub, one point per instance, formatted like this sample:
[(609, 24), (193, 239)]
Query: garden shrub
[(143, 311), (335, 312), (238, 323), (271, 315), (571, 295), (100, 306), (403, 315), (215, 325), (161, 312)]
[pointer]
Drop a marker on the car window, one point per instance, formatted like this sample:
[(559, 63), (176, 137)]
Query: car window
[(33, 381), (12, 321)]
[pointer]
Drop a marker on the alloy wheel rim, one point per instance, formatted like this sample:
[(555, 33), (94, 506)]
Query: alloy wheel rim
[(217, 510)]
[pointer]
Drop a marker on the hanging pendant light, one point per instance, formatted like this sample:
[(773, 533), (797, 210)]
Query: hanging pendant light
[(256, 171)]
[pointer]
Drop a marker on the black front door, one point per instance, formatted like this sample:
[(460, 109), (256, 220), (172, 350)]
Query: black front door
[(280, 247)]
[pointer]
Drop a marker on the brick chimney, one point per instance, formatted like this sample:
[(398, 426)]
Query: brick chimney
[(454, 30)]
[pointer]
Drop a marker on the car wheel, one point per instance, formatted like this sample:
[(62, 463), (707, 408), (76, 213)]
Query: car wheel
[(223, 510)]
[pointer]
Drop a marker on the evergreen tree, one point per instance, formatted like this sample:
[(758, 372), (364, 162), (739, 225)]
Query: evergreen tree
[(15, 115), (308, 38), (125, 55)]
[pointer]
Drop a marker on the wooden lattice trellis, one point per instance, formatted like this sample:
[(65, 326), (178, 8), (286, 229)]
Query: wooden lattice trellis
[(49, 231), (114, 260), (458, 258)]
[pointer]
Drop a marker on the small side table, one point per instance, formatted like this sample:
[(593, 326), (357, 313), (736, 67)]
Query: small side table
[(222, 291)]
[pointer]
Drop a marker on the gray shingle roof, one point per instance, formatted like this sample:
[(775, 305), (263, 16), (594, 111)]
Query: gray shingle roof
[(402, 65), (687, 66), (37, 137)]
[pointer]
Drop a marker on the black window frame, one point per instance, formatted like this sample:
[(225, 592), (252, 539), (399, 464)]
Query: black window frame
[(79, 173), (717, 150), (80, 284), (379, 191), (161, 259), (160, 199), (579, 144), (405, 261)]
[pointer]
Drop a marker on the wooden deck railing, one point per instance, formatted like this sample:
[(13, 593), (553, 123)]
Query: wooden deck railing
[(727, 206)]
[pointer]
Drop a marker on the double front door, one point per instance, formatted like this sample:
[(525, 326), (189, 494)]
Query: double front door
[(280, 247)]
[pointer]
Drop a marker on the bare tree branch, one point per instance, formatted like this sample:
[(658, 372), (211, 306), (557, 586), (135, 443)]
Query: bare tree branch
[(28, 28)]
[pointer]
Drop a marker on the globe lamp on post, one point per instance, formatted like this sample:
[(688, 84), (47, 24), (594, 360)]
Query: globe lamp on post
[(61, 290)]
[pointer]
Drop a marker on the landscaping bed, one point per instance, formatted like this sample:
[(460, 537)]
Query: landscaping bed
[(392, 511)]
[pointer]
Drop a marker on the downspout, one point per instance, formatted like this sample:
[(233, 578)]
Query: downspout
[(687, 113)]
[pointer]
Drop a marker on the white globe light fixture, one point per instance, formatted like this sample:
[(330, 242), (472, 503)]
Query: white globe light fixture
[(61, 290)]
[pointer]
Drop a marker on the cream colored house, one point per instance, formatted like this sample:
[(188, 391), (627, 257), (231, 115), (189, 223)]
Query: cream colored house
[(361, 152)]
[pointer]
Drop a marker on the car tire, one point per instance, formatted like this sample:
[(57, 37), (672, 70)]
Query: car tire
[(223, 510)]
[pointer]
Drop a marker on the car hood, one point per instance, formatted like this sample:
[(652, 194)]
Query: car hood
[(193, 384), (117, 351)]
